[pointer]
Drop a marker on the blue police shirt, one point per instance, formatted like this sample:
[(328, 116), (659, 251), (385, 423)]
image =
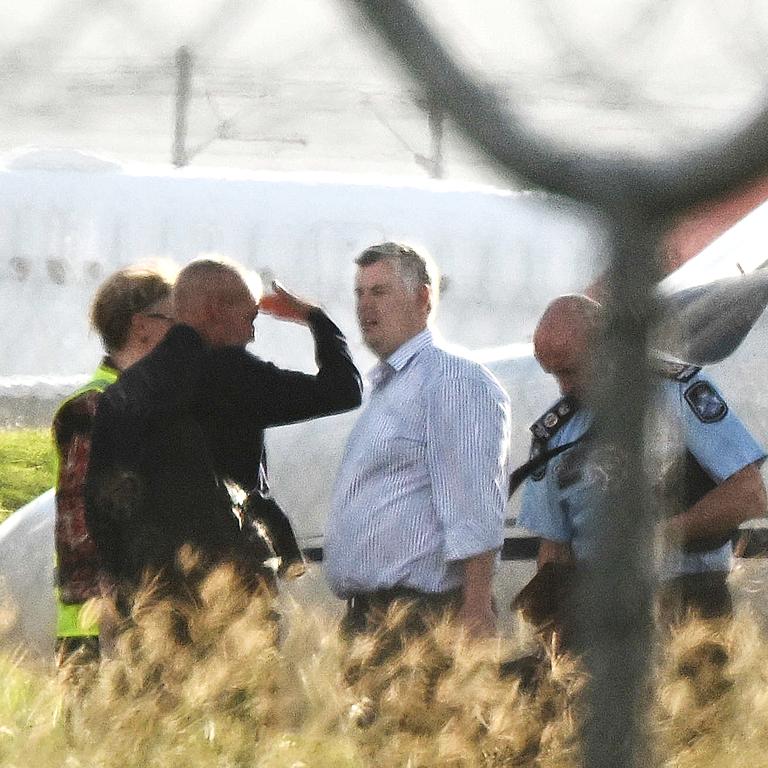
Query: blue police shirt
[(540, 510), (692, 416)]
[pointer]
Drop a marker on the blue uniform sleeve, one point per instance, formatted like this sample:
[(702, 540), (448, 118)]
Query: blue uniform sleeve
[(713, 433)]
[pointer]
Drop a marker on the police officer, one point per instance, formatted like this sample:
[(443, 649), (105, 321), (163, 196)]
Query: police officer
[(702, 455)]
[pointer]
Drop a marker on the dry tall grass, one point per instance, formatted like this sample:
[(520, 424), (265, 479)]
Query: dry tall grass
[(211, 687)]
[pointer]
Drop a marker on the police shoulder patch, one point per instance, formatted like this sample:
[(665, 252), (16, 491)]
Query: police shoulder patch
[(705, 401)]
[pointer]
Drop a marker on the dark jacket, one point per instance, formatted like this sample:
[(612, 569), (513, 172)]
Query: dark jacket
[(180, 423)]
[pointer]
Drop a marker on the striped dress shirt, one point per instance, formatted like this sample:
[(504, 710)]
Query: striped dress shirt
[(422, 483)]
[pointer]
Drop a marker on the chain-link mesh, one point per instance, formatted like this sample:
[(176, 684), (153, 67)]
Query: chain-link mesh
[(206, 101)]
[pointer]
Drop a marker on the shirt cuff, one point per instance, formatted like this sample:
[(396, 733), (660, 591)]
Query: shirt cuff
[(546, 529), (470, 539)]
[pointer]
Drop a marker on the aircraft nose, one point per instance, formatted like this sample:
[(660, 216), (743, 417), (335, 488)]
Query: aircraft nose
[(704, 325)]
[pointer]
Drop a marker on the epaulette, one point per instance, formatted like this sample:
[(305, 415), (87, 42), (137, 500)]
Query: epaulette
[(545, 428), (673, 369), (554, 419)]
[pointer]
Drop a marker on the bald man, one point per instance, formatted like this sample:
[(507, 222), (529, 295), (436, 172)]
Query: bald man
[(190, 417), (701, 453)]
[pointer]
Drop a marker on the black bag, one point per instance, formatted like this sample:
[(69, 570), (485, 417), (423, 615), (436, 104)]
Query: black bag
[(262, 516)]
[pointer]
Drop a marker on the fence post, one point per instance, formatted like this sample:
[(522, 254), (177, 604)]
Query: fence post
[(615, 590), (183, 95)]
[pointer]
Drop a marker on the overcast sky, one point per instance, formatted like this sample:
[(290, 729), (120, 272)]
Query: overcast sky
[(305, 84)]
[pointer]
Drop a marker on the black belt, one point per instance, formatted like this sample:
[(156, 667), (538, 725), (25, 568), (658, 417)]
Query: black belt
[(381, 598)]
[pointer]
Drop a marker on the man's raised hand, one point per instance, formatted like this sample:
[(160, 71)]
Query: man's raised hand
[(284, 305)]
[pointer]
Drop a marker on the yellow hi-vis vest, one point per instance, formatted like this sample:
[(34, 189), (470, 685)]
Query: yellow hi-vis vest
[(74, 619)]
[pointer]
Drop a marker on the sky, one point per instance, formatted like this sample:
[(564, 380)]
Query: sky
[(306, 84)]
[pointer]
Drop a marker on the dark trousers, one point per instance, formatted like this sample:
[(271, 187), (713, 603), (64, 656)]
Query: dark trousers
[(705, 595), (76, 650), (547, 601), (392, 618), (370, 612)]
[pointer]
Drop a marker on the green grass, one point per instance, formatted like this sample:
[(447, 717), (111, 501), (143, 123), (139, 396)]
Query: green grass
[(26, 467)]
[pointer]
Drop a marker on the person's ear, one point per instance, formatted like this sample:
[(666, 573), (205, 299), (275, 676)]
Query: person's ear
[(425, 299)]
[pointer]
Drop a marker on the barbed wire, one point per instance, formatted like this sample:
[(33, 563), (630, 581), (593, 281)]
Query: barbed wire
[(47, 58)]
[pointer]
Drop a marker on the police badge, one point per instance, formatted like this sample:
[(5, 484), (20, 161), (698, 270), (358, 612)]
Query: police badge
[(706, 402)]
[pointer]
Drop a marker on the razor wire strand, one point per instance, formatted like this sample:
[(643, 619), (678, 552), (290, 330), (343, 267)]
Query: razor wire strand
[(637, 197), (663, 187)]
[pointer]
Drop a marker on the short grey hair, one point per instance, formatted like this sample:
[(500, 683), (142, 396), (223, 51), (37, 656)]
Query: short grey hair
[(212, 274), (414, 268)]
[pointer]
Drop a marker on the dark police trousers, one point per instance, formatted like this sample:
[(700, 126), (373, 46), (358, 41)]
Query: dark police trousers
[(705, 595), (548, 600)]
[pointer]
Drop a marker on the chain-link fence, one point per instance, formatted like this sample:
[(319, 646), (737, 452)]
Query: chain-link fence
[(232, 95)]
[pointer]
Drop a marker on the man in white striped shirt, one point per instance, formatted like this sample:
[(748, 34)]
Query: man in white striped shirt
[(418, 506)]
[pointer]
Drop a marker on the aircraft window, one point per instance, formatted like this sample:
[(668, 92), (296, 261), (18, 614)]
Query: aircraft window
[(92, 270), (57, 271), (22, 268)]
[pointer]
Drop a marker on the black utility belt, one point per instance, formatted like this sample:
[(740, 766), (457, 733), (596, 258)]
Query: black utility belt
[(696, 546)]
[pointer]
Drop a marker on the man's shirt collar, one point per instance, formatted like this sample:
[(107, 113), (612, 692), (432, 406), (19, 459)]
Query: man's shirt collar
[(379, 373), (405, 353), (400, 357)]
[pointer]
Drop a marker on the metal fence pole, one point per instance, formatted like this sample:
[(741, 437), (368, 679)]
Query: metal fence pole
[(183, 96), (614, 600)]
